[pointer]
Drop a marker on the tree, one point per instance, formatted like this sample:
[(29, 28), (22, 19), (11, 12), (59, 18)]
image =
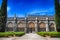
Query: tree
[(0, 18), (3, 18), (57, 14)]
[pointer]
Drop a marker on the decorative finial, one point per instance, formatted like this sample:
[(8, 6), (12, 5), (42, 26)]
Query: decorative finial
[(25, 18), (14, 16), (36, 18), (46, 14)]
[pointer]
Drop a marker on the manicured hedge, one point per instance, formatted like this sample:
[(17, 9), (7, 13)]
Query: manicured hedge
[(6, 34), (51, 34)]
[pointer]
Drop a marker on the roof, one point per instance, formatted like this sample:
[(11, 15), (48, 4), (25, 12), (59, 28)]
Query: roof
[(32, 17)]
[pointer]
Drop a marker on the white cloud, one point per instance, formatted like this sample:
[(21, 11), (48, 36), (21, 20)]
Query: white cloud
[(8, 9), (42, 12), (39, 11)]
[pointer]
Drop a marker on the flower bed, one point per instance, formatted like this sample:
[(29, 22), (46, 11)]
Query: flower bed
[(51, 34)]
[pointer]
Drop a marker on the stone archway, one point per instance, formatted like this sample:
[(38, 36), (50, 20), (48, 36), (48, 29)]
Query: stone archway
[(21, 26), (52, 27), (31, 27), (10, 26), (42, 26)]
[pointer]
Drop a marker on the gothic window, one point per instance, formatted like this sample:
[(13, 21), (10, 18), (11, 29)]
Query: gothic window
[(31, 25), (10, 26), (42, 25), (52, 27), (21, 26)]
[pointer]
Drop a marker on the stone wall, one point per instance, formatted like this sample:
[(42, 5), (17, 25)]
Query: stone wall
[(39, 25)]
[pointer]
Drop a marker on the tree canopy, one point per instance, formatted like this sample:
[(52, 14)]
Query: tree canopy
[(57, 14), (3, 15)]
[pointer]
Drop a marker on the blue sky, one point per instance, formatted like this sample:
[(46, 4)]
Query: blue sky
[(30, 7)]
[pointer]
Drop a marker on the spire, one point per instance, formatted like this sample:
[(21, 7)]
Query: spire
[(15, 16), (47, 14)]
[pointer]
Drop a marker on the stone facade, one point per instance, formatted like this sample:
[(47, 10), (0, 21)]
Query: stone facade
[(31, 23)]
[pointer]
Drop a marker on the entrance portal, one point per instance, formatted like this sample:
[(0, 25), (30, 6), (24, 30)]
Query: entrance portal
[(31, 27), (31, 30)]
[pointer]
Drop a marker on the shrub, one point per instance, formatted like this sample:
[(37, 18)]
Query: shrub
[(52, 34), (19, 33), (7, 34)]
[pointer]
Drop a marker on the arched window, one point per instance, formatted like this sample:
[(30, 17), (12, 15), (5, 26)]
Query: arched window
[(31, 25), (10, 26), (21, 26), (52, 27), (42, 26)]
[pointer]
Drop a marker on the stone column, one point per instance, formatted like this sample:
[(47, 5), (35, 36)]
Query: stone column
[(36, 25), (55, 27), (47, 26), (15, 23), (25, 29), (15, 26), (6, 27)]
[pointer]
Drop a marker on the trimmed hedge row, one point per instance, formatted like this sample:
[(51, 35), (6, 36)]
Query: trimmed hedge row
[(7, 34), (51, 34)]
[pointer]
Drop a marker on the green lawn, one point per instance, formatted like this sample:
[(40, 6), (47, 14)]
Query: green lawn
[(7, 34), (51, 34)]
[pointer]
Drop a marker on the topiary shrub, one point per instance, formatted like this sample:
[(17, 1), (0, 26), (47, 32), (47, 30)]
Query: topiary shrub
[(51, 34), (7, 34), (19, 33)]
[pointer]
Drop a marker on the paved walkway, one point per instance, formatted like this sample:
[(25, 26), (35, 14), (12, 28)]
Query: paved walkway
[(30, 36)]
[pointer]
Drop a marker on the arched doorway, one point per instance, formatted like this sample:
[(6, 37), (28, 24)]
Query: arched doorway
[(21, 26), (42, 26), (10, 26), (51, 27), (31, 27)]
